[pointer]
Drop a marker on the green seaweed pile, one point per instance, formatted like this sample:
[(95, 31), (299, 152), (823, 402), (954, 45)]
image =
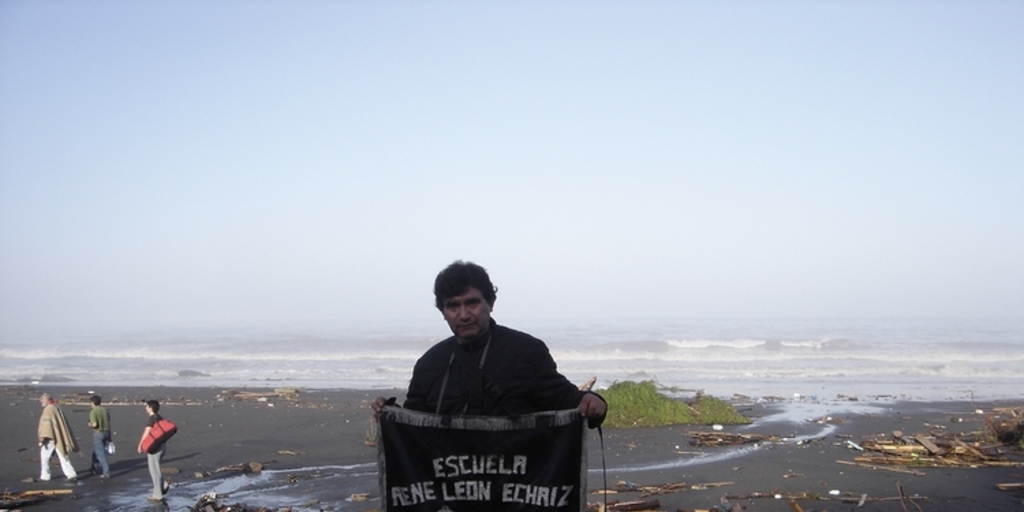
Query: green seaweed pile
[(640, 404)]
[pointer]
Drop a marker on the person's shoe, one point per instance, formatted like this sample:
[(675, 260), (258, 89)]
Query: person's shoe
[(44, 479), (153, 498), (105, 476)]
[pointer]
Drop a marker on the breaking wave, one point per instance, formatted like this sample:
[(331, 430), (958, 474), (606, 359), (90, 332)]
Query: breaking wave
[(786, 355)]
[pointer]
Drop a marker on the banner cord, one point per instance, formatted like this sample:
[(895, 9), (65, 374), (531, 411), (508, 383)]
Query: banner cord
[(604, 468)]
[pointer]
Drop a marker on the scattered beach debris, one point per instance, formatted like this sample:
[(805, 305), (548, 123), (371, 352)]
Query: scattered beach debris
[(209, 502), (636, 505), (936, 449), (731, 502), (252, 468), (650, 490), (298, 477), (882, 468), (828, 420), (718, 438), (1006, 425), (710, 485), (725, 506), (904, 499), (13, 500), (287, 393), (844, 497)]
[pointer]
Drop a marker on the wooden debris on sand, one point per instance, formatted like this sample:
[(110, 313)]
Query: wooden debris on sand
[(287, 393), (701, 438), (725, 505), (634, 505), (13, 500), (650, 490), (938, 449), (1006, 424), (80, 400), (929, 445), (882, 468), (846, 497), (710, 485), (639, 505), (252, 468), (645, 490), (209, 503)]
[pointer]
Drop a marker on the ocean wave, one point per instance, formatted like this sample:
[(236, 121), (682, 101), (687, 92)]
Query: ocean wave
[(260, 354), (788, 355)]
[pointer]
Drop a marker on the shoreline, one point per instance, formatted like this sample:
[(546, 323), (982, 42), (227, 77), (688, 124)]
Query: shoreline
[(312, 446), (916, 389)]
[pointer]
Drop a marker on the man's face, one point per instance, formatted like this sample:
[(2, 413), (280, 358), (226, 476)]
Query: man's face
[(468, 315)]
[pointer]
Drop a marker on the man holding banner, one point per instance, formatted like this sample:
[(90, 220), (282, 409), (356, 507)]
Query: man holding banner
[(498, 427)]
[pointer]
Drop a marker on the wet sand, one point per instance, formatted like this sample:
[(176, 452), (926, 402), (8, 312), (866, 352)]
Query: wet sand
[(315, 457)]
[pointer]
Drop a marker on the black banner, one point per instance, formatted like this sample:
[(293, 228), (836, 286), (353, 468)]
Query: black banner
[(430, 463)]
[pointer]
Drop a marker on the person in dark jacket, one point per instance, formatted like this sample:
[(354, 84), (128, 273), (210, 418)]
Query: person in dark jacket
[(485, 368)]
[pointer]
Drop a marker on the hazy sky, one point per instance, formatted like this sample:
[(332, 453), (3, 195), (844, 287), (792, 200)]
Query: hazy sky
[(198, 162)]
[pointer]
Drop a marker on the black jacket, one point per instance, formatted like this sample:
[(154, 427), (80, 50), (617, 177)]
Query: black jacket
[(518, 377)]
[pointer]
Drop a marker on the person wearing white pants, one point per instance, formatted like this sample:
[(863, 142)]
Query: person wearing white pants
[(55, 436), (45, 452)]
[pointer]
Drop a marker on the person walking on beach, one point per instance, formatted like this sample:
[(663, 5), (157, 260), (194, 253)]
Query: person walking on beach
[(99, 422), (153, 459), (485, 368), (55, 436)]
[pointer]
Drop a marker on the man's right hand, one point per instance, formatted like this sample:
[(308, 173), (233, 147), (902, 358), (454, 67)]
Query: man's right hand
[(378, 404)]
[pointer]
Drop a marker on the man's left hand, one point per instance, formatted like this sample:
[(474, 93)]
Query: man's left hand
[(591, 406)]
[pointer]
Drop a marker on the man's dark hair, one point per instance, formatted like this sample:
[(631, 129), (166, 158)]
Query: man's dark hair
[(95, 399), (458, 278), (154, 405)]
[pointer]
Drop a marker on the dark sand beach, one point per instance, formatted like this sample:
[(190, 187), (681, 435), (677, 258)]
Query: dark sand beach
[(315, 457)]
